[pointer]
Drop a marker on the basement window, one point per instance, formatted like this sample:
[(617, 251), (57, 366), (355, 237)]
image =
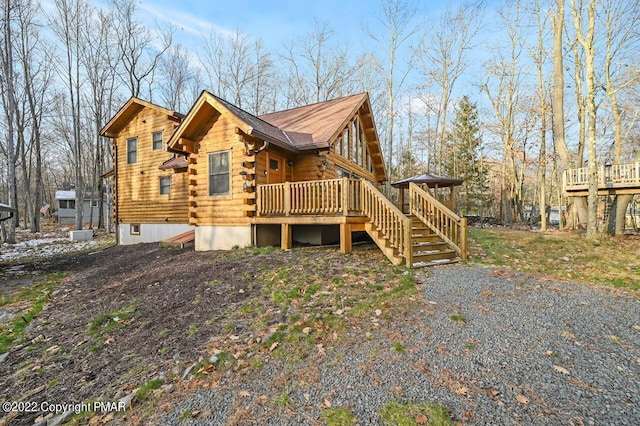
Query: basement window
[(134, 229)]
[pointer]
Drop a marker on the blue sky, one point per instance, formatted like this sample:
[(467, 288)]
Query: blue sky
[(278, 21)]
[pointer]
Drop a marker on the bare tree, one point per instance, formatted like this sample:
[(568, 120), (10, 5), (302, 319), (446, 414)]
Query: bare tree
[(588, 44), (319, 69), (175, 74), (10, 107), (442, 55), (620, 20), (505, 79), (67, 23), (539, 56), (211, 57), (261, 86), (134, 42), (100, 63), (36, 78), (396, 18), (239, 69)]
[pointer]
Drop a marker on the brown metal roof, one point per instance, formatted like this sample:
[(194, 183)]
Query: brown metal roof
[(178, 162), (257, 124), (430, 179), (313, 126), (303, 128)]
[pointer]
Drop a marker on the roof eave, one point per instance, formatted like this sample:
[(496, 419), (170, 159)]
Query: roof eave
[(256, 133)]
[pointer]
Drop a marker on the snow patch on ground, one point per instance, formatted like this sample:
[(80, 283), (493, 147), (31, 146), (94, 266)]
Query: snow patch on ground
[(43, 245)]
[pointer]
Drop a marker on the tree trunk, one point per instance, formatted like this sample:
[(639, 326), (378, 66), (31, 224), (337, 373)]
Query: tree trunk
[(558, 86), (617, 214), (10, 108)]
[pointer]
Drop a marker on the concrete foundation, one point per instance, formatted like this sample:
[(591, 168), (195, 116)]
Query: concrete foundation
[(150, 232), (222, 237)]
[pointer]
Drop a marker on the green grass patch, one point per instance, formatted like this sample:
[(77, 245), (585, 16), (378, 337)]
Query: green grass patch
[(395, 414), (338, 416), (610, 261), (262, 250), (33, 298), (458, 318), (193, 329), (145, 390), (111, 321), (399, 348)]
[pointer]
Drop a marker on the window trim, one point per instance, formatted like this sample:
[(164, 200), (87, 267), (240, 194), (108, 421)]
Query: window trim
[(129, 151), (228, 173), (165, 186), (153, 141), (134, 229)]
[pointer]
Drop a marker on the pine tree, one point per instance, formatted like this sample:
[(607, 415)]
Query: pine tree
[(466, 161)]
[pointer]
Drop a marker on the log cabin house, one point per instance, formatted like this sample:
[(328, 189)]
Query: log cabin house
[(150, 185), (233, 179)]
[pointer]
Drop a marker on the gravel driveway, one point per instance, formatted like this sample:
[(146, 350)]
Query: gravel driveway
[(492, 346)]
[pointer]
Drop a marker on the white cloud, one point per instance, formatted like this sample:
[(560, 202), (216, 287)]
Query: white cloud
[(185, 21)]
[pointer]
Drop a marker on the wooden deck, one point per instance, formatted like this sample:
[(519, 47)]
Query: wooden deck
[(429, 234), (612, 180)]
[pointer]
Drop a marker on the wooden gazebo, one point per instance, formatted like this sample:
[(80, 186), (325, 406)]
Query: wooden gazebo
[(432, 181)]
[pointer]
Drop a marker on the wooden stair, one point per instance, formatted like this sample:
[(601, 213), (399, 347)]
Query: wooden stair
[(384, 244), (184, 240), (431, 235), (428, 248)]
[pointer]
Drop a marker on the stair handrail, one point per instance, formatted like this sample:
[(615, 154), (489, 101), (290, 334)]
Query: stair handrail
[(448, 225), (385, 216)]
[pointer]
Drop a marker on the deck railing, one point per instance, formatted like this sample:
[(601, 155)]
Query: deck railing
[(388, 219), (614, 176), (335, 196), (449, 226)]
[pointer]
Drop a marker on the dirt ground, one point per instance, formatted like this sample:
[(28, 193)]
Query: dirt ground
[(125, 315)]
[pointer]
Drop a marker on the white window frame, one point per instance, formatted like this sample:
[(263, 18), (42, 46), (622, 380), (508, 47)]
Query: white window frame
[(228, 173), (153, 140), (165, 186), (131, 141)]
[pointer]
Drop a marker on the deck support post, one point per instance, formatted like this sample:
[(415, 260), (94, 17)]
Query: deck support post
[(345, 238), (285, 236), (463, 238), (287, 198)]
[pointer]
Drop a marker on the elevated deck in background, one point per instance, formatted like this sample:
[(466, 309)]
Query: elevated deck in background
[(616, 179)]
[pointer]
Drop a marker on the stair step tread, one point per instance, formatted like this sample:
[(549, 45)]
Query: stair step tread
[(439, 262), (439, 247), (434, 255)]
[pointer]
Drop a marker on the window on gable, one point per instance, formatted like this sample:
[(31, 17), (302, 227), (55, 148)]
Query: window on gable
[(165, 185), (157, 140), (132, 150), (219, 173)]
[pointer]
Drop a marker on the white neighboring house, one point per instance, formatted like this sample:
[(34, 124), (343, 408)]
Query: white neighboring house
[(65, 205)]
